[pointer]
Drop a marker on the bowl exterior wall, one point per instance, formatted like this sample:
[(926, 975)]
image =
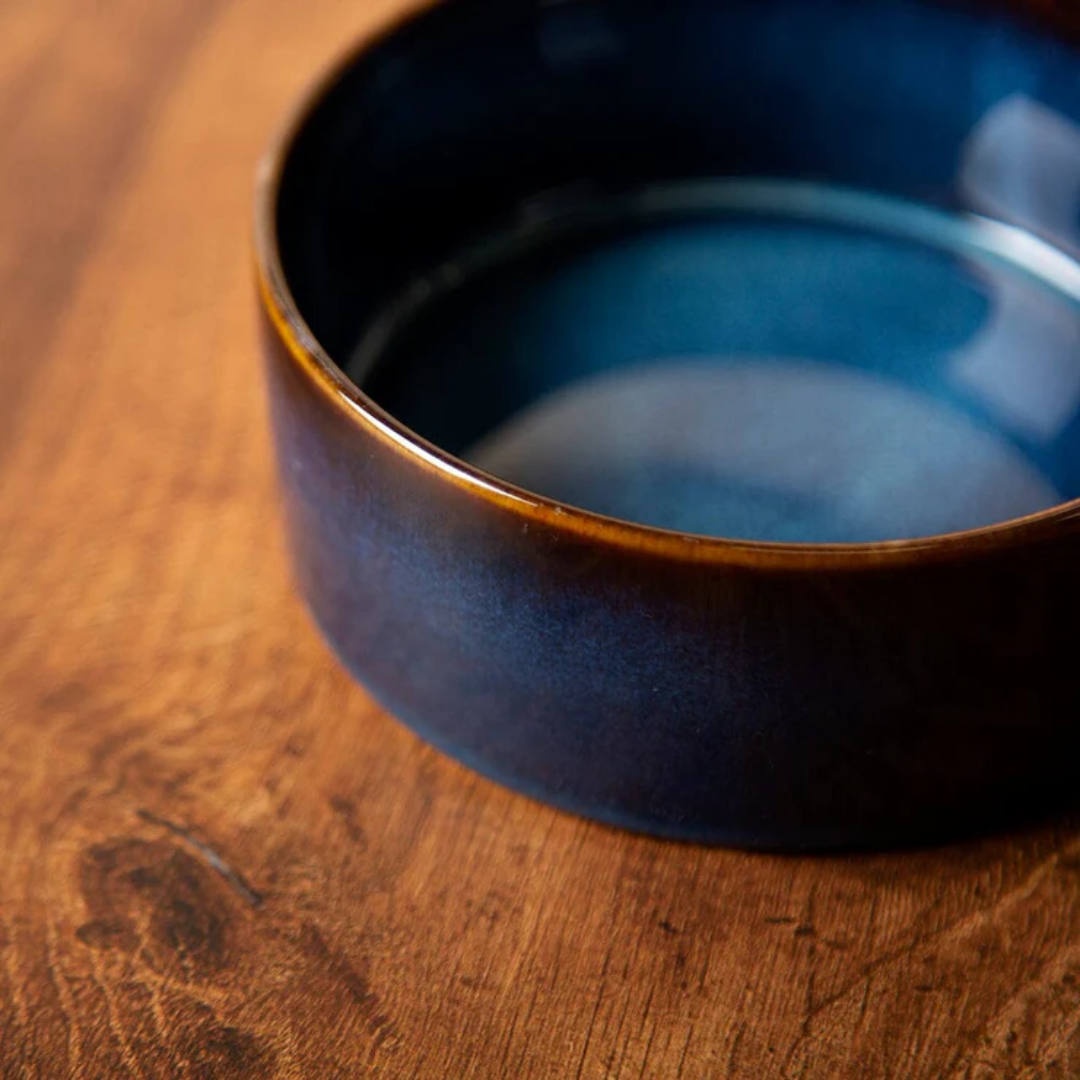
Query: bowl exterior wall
[(832, 702)]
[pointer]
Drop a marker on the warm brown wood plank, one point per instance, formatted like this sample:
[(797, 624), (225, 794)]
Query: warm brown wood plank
[(219, 858)]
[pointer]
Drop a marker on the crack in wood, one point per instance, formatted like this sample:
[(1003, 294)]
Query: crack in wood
[(233, 878)]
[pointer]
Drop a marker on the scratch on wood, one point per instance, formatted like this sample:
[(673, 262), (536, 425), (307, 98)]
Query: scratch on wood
[(732, 1067), (685, 1051), (336, 964), (964, 922), (231, 877), (810, 1011), (807, 931), (648, 1050), (595, 1013), (865, 1004), (625, 1043)]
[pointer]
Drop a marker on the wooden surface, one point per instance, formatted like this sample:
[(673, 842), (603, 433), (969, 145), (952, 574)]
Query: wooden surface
[(218, 858)]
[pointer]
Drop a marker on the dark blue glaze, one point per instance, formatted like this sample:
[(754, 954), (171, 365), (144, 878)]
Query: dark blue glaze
[(775, 696)]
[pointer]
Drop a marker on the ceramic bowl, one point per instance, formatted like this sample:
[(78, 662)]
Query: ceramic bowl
[(678, 405)]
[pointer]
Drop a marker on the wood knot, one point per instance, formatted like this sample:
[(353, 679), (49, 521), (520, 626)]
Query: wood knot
[(184, 908)]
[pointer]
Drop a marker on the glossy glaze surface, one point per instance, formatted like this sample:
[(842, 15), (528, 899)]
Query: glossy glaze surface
[(769, 695), (759, 359)]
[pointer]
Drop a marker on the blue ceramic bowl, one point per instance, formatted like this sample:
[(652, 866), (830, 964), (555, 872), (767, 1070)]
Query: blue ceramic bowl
[(678, 404)]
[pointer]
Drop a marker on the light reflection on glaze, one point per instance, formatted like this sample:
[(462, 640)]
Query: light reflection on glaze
[(938, 360), (775, 450)]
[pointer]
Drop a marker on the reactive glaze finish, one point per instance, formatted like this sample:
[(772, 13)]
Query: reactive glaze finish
[(782, 695)]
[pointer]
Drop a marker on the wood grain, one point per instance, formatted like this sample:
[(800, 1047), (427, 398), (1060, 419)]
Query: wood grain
[(219, 858)]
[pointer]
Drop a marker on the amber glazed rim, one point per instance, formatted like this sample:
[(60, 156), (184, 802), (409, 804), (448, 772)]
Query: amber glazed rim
[(314, 364)]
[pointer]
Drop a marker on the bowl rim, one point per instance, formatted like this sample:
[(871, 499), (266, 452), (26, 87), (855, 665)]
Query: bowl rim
[(319, 370)]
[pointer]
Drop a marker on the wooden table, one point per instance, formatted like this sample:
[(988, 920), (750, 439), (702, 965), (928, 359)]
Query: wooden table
[(218, 857)]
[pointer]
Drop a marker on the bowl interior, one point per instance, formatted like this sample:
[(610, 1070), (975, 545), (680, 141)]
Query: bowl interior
[(771, 270)]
